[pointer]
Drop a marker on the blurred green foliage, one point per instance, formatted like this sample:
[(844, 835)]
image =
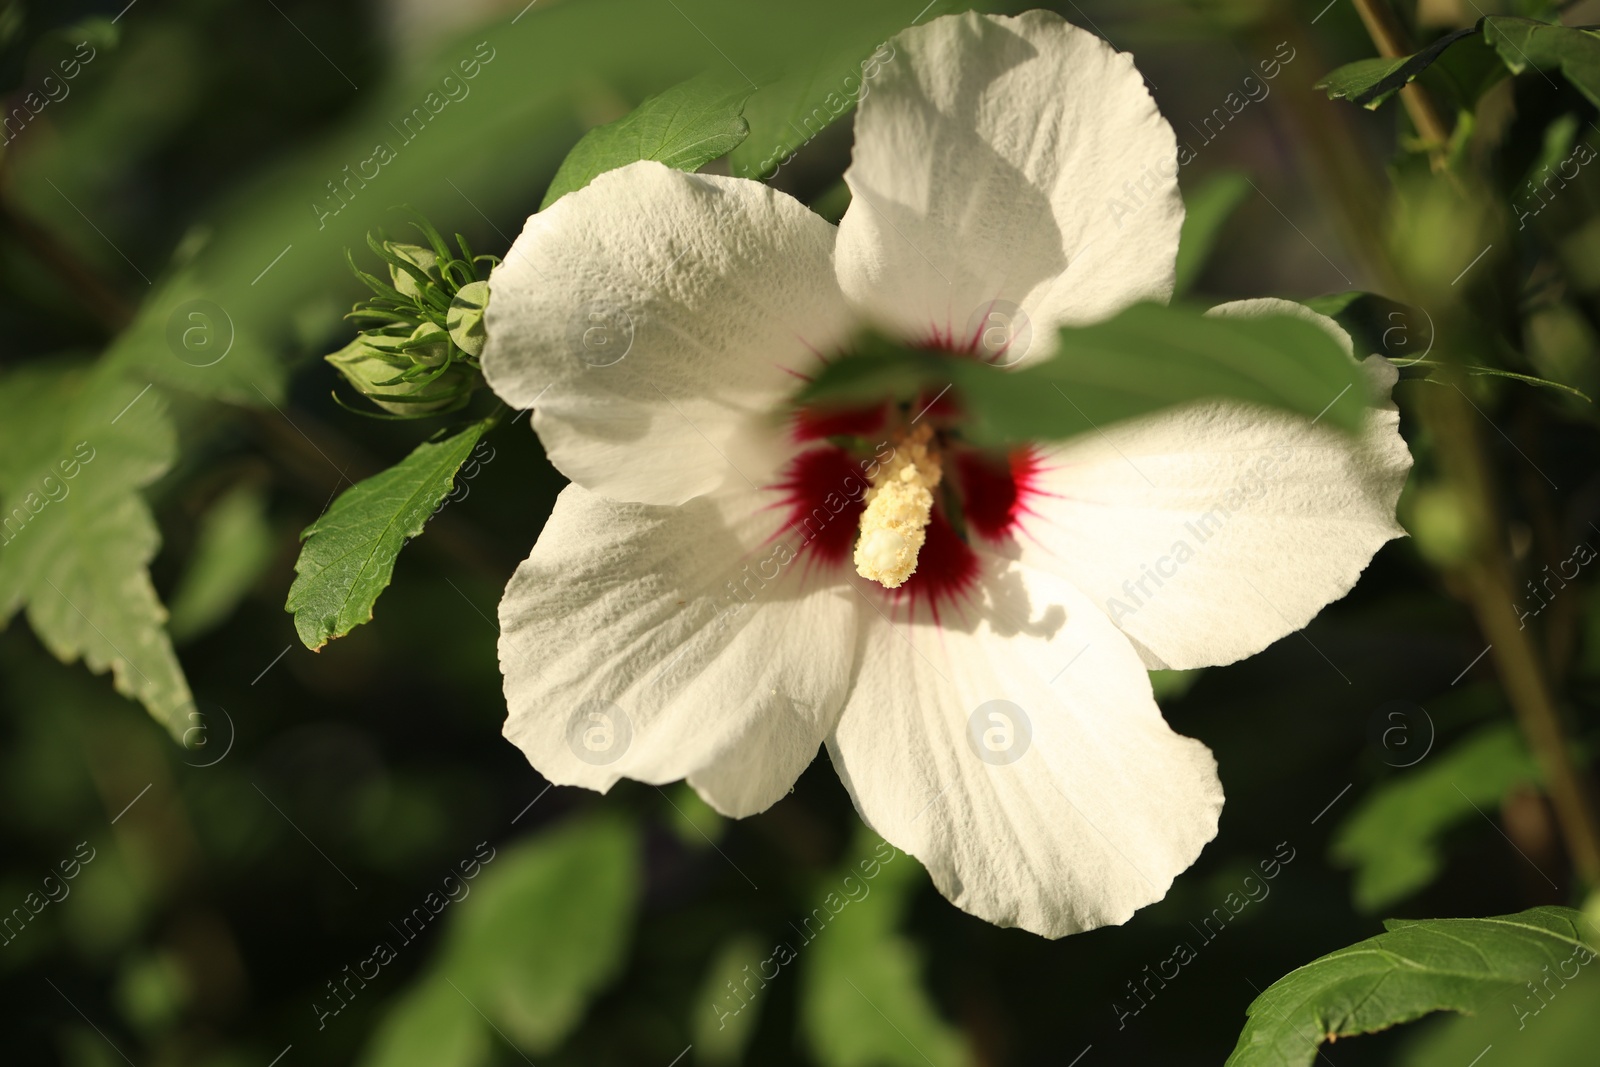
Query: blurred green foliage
[(551, 925), (234, 543), (862, 1000), (1395, 838)]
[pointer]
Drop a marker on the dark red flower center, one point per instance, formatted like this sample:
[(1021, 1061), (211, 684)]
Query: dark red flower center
[(983, 493)]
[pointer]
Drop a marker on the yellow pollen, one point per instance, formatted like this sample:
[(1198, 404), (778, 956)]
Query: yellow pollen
[(899, 504)]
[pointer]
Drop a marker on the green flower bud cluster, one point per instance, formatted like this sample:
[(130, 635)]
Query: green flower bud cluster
[(417, 353)]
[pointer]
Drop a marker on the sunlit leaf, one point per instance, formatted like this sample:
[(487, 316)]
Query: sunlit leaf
[(1524, 43), (1369, 82), (76, 537), (1144, 359), (1461, 66), (349, 553), (1413, 969), (813, 93), (685, 127)]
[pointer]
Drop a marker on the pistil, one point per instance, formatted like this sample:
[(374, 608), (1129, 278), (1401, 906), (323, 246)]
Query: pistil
[(899, 506)]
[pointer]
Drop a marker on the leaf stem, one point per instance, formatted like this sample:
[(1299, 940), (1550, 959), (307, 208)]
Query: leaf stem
[(112, 311), (1393, 42)]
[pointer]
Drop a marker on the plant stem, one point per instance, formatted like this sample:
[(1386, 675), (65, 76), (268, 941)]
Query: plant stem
[(1392, 43), (1452, 420), (1490, 591)]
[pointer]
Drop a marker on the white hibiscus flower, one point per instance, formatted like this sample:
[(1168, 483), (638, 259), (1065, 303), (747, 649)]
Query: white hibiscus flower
[(696, 606)]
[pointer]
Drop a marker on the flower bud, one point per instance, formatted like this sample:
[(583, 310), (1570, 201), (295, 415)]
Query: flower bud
[(433, 353), (418, 256), (465, 318), (373, 371)]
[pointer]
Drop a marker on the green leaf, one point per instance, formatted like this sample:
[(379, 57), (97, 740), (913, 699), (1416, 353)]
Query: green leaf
[(1524, 43), (261, 274), (1369, 82), (722, 1034), (1393, 839), (696, 823), (1377, 324), (861, 998), (1145, 358), (787, 113), (543, 927), (1414, 968), (685, 127), (263, 267), (431, 1025), (1560, 1033), (549, 926), (1543, 10), (234, 546), (1556, 144), (1461, 76), (76, 537), (1172, 685), (1205, 212), (349, 553)]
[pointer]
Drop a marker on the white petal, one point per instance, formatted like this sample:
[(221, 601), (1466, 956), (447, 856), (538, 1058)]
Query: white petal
[(1087, 820), (1210, 531), (658, 643), (657, 320), (1271, 305), (1005, 163)]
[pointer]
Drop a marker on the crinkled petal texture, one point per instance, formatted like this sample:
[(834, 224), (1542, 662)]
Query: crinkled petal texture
[(657, 643), (1017, 751), (1210, 531), (659, 320), (1005, 163)]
